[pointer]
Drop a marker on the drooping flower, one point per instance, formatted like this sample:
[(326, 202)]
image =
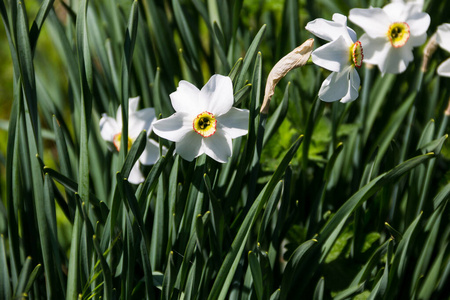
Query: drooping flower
[(111, 131), (391, 33), (341, 55), (204, 120), (443, 39)]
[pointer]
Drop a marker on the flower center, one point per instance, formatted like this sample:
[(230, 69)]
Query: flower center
[(398, 34), (356, 54), (205, 124), (117, 140)]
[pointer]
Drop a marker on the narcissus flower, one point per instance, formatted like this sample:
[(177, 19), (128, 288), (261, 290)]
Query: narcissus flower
[(341, 55), (443, 39), (111, 131), (204, 120), (391, 33)]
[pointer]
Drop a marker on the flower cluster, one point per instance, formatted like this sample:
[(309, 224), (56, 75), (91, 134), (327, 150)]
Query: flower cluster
[(204, 121), (390, 35)]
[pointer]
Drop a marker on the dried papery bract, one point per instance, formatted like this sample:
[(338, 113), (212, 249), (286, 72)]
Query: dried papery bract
[(447, 111), (296, 58), (430, 47)]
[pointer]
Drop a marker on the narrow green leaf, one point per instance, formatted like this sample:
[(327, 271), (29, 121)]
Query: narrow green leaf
[(23, 278), (401, 258), (442, 196), (31, 279), (236, 70), (434, 276), (316, 110), (379, 291), (395, 234), (169, 279), (74, 259), (434, 146), (391, 128), (151, 180), (130, 41), (44, 9), (427, 134), (250, 56), (5, 283), (226, 273), (242, 94), (319, 290), (295, 266), (107, 276), (256, 274), (269, 210), (277, 116), (135, 152)]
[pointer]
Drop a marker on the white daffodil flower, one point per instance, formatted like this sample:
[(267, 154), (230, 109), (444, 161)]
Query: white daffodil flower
[(204, 120), (391, 33), (341, 55), (111, 131), (443, 39)]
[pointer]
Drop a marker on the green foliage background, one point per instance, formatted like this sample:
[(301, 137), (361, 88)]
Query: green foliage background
[(318, 201)]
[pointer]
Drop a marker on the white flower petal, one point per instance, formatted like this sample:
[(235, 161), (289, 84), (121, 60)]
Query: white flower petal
[(190, 146), (135, 176), (218, 147), (335, 86), (175, 127), (109, 128), (374, 21), (415, 41), (119, 115), (397, 12), (418, 24), (217, 95), (396, 61), (353, 87), (133, 104), (132, 107), (341, 19), (327, 30), (443, 36), (141, 120), (333, 56), (375, 51), (234, 123), (185, 98), (150, 155), (444, 68)]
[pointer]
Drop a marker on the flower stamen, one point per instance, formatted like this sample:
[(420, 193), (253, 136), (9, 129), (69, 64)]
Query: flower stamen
[(398, 34), (117, 141), (356, 54), (205, 124)]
